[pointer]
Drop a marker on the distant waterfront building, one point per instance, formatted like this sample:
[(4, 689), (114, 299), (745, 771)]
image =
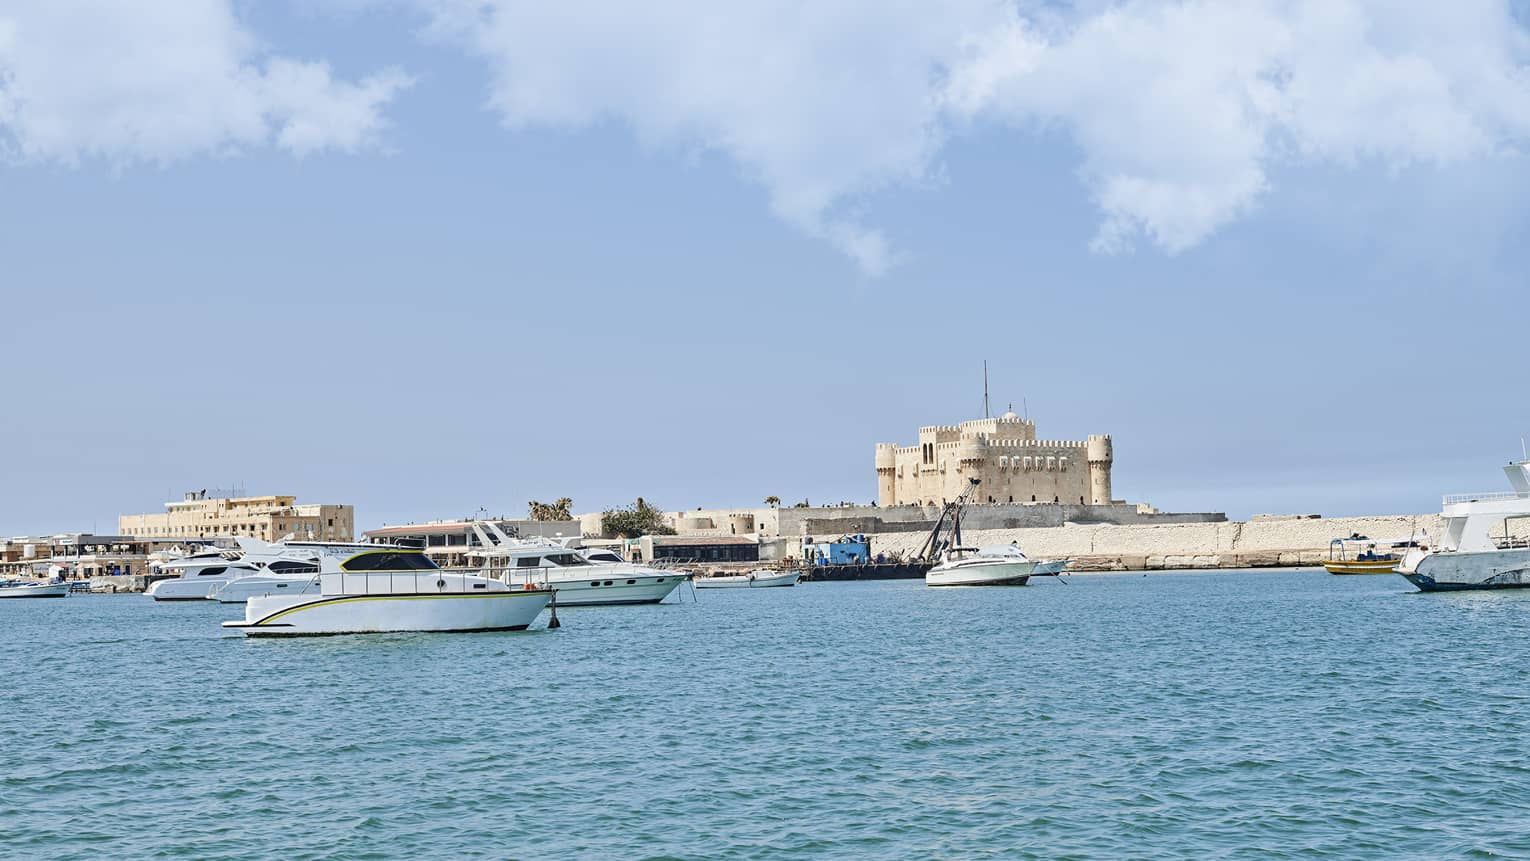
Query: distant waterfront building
[(267, 518), (1004, 454), (75, 555)]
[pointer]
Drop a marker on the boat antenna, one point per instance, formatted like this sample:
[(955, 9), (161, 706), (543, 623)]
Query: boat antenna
[(985, 388), (1522, 455), (1025, 408)]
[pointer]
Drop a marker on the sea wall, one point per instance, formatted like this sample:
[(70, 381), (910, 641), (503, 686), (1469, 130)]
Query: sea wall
[(1231, 544)]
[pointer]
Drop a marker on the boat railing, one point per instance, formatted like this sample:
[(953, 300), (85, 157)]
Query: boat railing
[(1495, 496), (419, 581)]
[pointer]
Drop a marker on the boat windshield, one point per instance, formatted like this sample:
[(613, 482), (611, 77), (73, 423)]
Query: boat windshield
[(566, 559), (388, 561)]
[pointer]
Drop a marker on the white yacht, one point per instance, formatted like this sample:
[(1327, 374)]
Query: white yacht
[(197, 575), (34, 589), (1478, 549), (278, 576), (751, 580), (379, 588), (579, 580), (1004, 565)]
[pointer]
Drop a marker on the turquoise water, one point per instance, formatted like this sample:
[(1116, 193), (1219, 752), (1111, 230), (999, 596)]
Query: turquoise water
[(1206, 715)]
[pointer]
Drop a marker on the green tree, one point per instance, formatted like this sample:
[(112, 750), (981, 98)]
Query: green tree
[(634, 521), (772, 501), (560, 510)]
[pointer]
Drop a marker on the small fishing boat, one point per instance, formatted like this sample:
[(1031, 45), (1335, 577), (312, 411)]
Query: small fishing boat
[(1357, 555), (34, 589), (372, 588), (752, 580)]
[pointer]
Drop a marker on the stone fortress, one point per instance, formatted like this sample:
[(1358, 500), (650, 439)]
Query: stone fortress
[(1004, 454)]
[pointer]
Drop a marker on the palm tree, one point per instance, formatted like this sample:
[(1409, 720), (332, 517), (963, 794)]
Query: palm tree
[(772, 501)]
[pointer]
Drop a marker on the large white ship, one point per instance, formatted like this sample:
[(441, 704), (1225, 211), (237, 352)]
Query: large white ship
[(1478, 549)]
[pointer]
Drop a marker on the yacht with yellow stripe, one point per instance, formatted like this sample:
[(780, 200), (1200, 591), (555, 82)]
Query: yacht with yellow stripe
[(380, 588)]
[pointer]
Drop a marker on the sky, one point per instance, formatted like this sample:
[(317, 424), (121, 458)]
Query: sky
[(429, 257)]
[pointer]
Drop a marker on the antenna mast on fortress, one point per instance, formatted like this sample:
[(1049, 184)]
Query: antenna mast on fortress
[(985, 388)]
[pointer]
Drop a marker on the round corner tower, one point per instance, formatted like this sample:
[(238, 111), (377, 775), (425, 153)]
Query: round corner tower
[(1101, 456)]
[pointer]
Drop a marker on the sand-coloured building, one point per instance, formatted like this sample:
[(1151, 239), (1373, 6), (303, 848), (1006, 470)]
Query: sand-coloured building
[(1004, 455)]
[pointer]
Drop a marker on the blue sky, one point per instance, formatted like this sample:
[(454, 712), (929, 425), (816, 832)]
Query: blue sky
[(426, 257)]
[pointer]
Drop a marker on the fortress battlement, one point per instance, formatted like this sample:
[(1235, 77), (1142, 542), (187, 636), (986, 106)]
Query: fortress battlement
[(1002, 453)]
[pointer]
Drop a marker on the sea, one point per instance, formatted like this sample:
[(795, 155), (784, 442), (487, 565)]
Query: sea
[(1205, 715)]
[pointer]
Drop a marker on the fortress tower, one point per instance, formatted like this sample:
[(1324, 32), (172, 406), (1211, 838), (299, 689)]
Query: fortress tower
[(1004, 454), (1101, 456)]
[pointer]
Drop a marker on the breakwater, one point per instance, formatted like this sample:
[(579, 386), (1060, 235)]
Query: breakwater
[(1259, 543)]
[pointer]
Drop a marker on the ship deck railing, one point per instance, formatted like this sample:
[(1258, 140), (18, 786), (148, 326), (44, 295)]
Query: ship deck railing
[(1495, 496)]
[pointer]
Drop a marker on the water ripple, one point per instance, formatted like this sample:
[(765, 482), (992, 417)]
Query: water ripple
[(1205, 715)]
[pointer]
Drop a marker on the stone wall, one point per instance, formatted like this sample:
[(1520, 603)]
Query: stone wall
[(1230, 544)]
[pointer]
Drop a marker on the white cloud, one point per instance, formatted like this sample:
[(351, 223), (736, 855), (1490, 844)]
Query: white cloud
[(1179, 109), (820, 102), (157, 80)]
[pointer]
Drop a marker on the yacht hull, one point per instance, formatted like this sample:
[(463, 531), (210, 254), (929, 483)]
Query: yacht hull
[(748, 581), (36, 590), (242, 590), (448, 612), (615, 589), (1459, 572), (1050, 567), (185, 590), (996, 573)]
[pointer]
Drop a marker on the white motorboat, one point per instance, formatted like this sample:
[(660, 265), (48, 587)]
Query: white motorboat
[(286, 568), (34, 589), (196, 576), (957, 564), (1478, 549), (1004, 565), (1050, 567), (380, 588), (752, 580), (579, 581)]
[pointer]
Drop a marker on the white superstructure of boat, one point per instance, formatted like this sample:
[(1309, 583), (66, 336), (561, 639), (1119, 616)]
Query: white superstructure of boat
[(579, 581), (1478, 549), (34, 589), (751, 580), (1004, 565), (199, 574), (278, 576), (381, 588)]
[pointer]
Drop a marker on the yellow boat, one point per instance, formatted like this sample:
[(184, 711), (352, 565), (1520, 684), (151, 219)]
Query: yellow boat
[(1346, 559)]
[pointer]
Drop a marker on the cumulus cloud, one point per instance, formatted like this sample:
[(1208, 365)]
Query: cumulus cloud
[(1182, 111), (157, 80), (1179, 109), (820, 101)]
